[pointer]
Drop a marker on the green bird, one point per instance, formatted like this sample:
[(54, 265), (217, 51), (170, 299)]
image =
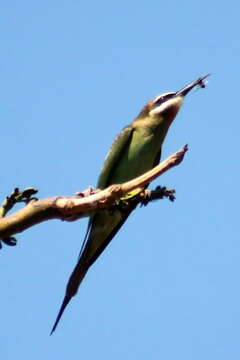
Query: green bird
[(135, 150)]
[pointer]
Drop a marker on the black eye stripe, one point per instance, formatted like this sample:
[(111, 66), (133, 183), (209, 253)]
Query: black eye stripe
[(163, 98)]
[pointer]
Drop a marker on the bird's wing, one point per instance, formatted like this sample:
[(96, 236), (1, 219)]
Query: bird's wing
[(158, 157), (113, 156), (110, 162)]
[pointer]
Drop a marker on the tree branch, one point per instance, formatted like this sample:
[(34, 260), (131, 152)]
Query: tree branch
[(71, 208)]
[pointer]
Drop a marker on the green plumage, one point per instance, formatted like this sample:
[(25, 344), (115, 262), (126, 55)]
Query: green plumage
[(135, 150)]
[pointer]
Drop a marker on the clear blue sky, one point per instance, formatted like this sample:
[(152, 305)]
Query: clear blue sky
[(72, 75)]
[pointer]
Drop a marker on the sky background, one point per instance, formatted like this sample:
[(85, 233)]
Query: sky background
[(72, 75)]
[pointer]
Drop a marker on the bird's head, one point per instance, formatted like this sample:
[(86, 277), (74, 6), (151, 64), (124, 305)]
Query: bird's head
[(166, 106)]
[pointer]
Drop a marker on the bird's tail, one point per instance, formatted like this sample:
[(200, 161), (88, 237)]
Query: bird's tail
[(65, 302), (72, 287)]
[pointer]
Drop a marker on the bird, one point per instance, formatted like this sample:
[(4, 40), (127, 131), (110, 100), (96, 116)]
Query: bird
[(134, 151)]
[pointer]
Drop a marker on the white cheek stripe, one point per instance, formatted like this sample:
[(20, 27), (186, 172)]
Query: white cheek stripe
[(175, 101)]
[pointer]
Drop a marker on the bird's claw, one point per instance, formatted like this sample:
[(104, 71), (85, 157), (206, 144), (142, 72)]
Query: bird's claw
[(89, 191)]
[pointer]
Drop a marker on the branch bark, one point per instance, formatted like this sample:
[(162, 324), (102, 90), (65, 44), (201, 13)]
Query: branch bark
[(71, 208)]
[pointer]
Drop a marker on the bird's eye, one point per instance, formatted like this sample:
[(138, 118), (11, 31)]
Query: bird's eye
[(159, 100), (163, 98)]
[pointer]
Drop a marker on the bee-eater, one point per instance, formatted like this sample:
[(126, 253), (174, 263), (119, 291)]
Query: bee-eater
[(135, 150)]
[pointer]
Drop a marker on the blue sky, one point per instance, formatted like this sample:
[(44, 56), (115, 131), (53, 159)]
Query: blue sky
[(72, 75)]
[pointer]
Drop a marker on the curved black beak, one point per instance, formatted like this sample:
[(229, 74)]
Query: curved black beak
[(199, 82)]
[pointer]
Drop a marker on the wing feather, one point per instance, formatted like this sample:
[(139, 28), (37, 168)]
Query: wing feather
[(113, 156)]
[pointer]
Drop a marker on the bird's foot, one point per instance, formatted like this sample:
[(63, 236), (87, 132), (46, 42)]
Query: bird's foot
[(89, 191)]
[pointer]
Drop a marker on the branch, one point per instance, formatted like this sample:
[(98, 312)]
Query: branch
[(71, 208)]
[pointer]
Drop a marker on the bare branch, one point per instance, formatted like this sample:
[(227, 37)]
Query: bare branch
[(70, 208)]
